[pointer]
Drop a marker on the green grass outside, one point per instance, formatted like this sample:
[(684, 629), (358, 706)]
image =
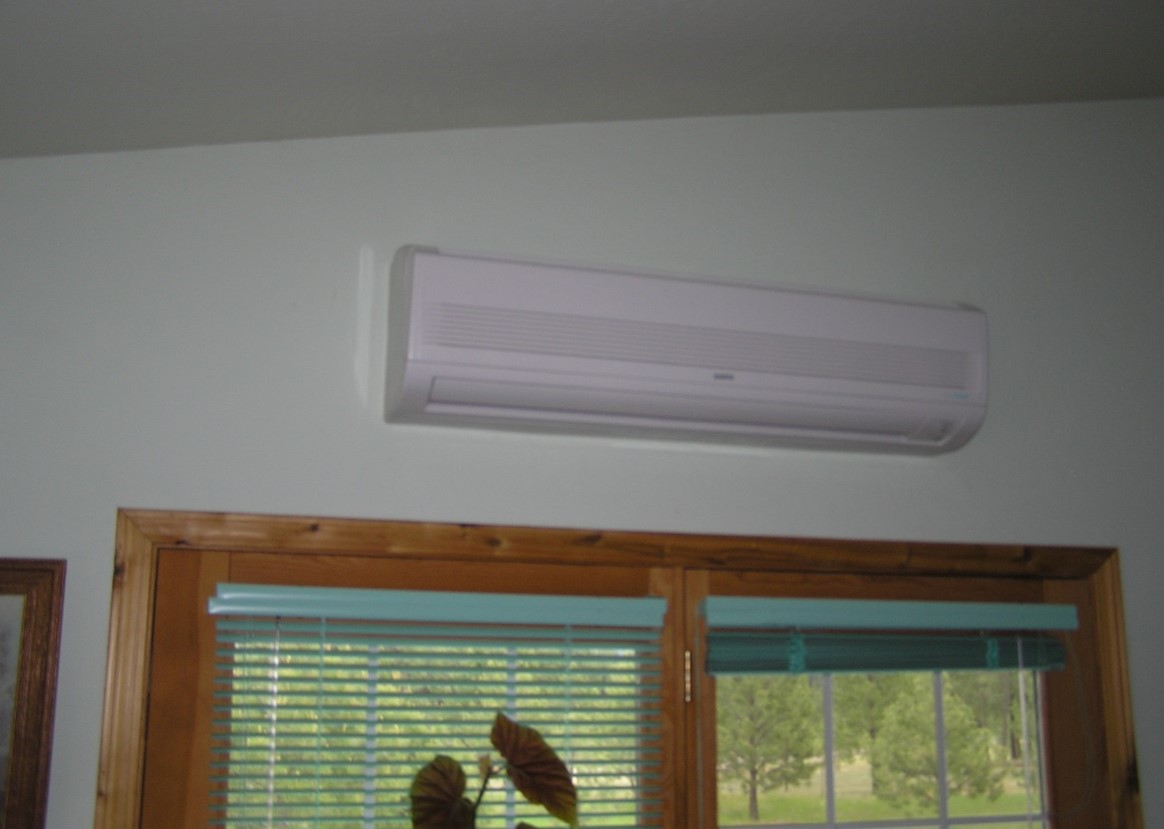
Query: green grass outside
[(792, 808), (806, 803)]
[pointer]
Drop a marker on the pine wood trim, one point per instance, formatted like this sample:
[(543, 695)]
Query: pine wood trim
[(306, 535), (700, 711), (119, 771), (667, 583), (1105, 789), (1124, 783), (177, 750), (143, 534)]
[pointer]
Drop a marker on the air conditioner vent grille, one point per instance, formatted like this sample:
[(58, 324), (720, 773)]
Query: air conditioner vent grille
[(716, 349)]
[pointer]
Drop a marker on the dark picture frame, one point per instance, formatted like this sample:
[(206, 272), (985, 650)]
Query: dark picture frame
[(32, 593)]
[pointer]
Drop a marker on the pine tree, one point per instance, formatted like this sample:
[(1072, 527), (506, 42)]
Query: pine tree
[(906, 765), (768, 731)]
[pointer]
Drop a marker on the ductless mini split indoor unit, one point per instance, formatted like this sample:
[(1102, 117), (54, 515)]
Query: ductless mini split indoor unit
[(483, 341)]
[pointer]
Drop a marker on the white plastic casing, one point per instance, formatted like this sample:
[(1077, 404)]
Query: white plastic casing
[(482, 341)]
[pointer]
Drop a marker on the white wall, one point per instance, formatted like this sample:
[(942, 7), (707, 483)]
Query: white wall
[(181, 329)]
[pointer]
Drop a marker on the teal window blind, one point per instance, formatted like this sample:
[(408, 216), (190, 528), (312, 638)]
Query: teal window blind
[(780, 635), (328, 701)]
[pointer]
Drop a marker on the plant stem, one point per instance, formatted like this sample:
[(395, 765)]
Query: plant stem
[(484, 786)]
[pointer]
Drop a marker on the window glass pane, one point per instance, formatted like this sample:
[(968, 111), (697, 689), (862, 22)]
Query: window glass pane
[(769, 738), (858, 749), (886, 756), (992, 743)]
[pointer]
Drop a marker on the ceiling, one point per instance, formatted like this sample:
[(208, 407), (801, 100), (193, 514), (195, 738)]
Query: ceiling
[(101, 75)]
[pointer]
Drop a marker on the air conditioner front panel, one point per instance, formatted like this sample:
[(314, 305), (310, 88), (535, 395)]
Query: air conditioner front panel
[(448, 329)]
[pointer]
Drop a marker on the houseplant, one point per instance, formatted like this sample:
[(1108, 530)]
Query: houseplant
[(438, 790)]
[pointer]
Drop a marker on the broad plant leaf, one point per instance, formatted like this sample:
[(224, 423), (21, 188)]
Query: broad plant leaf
[(438, 800), (535, 769)]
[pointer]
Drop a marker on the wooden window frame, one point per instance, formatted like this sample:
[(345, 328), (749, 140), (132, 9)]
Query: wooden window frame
[(1086, 576)]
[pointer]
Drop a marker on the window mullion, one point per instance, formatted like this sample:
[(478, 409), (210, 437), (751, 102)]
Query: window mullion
[(273, 727), (943, 780), (371, 734), (320, 717)]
